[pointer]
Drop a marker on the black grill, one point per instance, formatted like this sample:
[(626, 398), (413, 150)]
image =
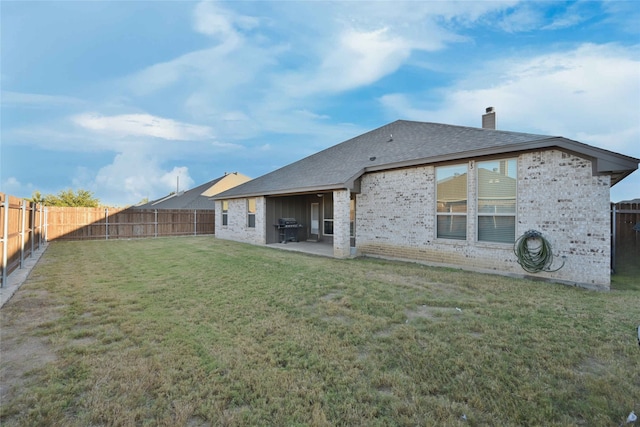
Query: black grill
[(288, 229)]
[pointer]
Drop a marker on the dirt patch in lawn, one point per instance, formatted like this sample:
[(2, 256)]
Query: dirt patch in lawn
[(22, 352), (431, 313)]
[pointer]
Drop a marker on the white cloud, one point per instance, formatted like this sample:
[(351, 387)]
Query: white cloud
[(11, 185), (272, 72), (132, 177), (264, 75), (574, 15), (562, 93), (213, 20), (589, 94), (311, 114), (625, 15), (191, 66), (362, 43), (37, 100), (227, 146), (142, 125), (337, 49), (214, 70), (522, 19), (360, 58)]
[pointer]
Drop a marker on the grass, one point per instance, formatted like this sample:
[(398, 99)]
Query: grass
[(205, 332), (627, 274)]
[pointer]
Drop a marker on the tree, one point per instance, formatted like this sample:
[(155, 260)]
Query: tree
[(36, 197), (69, 198)]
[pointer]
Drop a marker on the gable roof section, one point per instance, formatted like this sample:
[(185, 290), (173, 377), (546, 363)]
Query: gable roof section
[(190, 199), (408, 143)]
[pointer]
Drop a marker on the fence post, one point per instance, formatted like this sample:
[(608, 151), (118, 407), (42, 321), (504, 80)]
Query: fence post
[(32, 210), (613, 237), (195, 222), (155, 223), (106, 223), (5, 240), (44, 220), (23, 217)]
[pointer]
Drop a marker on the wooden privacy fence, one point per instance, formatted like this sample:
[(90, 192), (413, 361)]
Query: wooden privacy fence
[(625, 234), (21, 232), (25, 226), (110, 223)]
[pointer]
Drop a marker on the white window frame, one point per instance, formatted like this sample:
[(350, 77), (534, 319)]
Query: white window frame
[(251, 214), (495, 214), (225, 213), (464, 214)]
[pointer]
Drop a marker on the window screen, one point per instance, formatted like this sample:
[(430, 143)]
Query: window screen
[(497, 200), (451, 199)]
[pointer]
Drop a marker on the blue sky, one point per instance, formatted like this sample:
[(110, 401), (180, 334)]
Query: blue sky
[(121, 98)]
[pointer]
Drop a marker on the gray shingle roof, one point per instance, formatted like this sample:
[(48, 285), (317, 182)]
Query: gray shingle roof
[(403, 143), (190, 199)]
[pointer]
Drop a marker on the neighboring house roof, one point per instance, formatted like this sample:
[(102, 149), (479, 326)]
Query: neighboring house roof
[(408, 143), (198, 197)]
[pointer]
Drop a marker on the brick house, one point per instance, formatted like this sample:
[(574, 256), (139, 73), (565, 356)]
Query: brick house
[(442, 195)]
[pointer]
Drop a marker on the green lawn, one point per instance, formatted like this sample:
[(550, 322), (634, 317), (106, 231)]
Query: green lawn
[(205, 332)]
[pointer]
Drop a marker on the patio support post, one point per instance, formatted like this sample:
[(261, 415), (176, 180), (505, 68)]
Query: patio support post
[(341, 223)]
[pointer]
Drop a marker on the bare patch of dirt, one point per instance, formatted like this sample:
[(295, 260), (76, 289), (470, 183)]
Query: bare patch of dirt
[(416, 282), (385, 391), (196, 421), (341, 319), (331, 296), (22, 352), (592, 366), (428, 312)]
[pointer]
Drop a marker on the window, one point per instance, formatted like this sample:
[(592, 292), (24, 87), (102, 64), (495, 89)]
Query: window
[(251, 213), (225, 212), (451, 197), (497, 201), (328, 215)]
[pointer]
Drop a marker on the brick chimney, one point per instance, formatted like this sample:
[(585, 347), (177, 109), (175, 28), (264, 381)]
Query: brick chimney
[(489, 119)]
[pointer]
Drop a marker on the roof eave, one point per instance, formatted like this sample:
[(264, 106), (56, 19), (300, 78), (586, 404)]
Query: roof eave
[(282, 192), (604, 162)]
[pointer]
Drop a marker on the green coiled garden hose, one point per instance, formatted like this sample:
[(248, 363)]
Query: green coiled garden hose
[(534, 252)]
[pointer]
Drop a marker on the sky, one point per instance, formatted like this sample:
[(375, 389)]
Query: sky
[(132, 100)]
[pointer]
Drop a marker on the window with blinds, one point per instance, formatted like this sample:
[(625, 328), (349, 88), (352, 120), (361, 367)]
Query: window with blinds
[(451, 200), (225, 212), (251, 213), (497, 181)]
